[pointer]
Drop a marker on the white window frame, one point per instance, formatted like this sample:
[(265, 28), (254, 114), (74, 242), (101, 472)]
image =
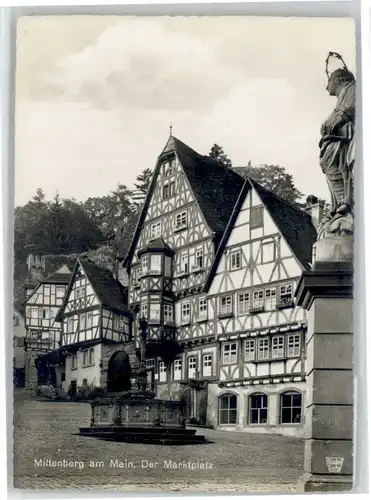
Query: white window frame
[(181, 220), (258, 299), (177, 369), (89, 320), (74, 362), (162, 371), (199, 259), (144, 310), (192, 367), (155, 263), (168, 312), (249, 350), (155, 311), (226, 305), (229, 353), (286, 294), (236, 258), (243, 306), (185, 306), (59, 291), (85, 358), (263, 348), (270, 299), (155, 230), (202, 308), (293, 345), (82, 322), (207, 365), (150, 363), (70, 325), (144, 265), (278, 346), (184, 263)]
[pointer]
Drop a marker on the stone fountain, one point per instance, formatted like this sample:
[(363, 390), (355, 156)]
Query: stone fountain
[(130, 412)]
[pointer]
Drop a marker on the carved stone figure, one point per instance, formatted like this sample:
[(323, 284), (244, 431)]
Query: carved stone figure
[(337, 146)]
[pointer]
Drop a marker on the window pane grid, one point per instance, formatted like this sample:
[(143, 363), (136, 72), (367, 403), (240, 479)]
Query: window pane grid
[(293, 348), (228, 409), (230, 353), (278, 345), (258, 409), (291, 408), (243, 303), (226, 305)]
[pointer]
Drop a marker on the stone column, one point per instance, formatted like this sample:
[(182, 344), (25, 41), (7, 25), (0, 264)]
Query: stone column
[(327, 293)]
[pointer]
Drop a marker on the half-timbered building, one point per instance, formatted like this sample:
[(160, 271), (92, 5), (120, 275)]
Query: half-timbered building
[(95, 323), (261, 333), (43, 330), (212, 267), (190, 200)]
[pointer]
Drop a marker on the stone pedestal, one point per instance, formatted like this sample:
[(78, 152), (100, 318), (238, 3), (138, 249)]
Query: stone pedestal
[(327, 294)]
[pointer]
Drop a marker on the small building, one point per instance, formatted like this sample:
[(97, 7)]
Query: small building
[(43, 331), (95, 323)]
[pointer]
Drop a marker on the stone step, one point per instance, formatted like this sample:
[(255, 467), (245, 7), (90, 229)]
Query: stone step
[(144, 435), (137, 429)]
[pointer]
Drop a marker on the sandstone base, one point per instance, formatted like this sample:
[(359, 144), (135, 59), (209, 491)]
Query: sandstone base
[(321, 483)]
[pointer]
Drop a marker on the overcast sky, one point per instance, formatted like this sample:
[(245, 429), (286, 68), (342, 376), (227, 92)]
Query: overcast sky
[(95, 95)]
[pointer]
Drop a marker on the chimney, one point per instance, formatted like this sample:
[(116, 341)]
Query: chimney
[(314, 207)]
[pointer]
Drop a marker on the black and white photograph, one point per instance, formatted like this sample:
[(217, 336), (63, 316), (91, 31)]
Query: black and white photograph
[(184, 254)]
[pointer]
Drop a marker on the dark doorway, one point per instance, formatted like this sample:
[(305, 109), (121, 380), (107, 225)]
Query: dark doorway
[(119, 372)]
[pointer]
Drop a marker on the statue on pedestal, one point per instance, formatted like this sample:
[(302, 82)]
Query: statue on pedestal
[(337, 147)]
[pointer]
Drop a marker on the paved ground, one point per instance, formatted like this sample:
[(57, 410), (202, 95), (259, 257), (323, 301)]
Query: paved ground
[(240, 462)]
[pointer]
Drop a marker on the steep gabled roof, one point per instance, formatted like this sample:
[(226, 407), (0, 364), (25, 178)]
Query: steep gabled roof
[(108, 290), (295, 226), (62, 276), (214, 186)]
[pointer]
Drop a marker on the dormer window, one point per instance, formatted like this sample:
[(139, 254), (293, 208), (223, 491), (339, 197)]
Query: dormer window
[(155, 231)]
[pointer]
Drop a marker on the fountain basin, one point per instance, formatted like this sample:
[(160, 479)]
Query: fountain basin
[(139, 417)]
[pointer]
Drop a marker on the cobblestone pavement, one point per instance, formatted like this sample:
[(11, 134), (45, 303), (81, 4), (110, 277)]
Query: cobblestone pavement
[(240, 462)]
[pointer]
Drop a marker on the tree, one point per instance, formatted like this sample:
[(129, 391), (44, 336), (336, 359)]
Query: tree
[(53, 227), (217, 153), (109, 211), (143, 180), (276, 179)]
